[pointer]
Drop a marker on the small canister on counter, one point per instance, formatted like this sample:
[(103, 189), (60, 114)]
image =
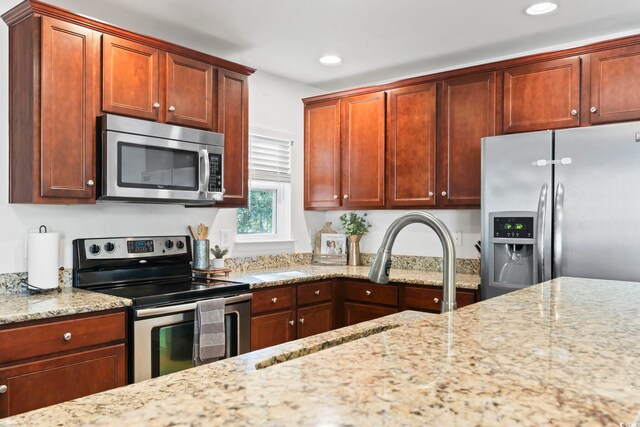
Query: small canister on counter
[(201, 254)]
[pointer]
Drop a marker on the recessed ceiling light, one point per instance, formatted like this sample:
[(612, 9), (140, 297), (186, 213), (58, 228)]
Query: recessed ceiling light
[(541, 8), (330, 60)]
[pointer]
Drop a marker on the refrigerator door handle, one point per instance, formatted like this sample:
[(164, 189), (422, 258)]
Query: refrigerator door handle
[(540, 221), (557, 230)]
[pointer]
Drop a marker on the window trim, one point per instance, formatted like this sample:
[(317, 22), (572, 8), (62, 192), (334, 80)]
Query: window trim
[(282, 213)]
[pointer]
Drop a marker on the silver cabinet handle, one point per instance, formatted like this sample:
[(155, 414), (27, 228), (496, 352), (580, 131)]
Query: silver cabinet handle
[(274, 300), (557, 231), (367, 292), (302, 320), (542, 217), (593, 109), (67, 336), (574, 112), (291, 322), (335, 196), (317, 292), (436, 300), (444, 193), (3, 388), (90, 183), (345, 196), (430, 193), (172, 108), (156, 105)]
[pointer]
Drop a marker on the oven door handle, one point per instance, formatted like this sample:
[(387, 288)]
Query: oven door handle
[(148, 312)]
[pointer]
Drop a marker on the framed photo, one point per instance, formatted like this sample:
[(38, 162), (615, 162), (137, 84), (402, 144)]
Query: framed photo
[(333, 244)]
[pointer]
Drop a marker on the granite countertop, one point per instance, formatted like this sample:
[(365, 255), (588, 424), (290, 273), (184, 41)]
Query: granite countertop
[(559, 353), (22, 306), (304, 273)]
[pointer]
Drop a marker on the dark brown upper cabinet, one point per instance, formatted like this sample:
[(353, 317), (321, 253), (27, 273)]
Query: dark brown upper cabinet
[(541, 96), (615, 86), (411, 146), (468, 115), (363, 138), (190, 92)]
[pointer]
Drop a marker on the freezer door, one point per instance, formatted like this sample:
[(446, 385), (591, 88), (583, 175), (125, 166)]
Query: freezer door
[(597, 219), (513, 179)]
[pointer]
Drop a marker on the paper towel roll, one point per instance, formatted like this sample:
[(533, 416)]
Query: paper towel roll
[(44, 260)]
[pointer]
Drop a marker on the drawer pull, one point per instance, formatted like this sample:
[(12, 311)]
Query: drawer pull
[(3, 388), (436, 300), (302, 320), (274, 300), (317, 292), (367, 292), (291, 322), (67, 336)]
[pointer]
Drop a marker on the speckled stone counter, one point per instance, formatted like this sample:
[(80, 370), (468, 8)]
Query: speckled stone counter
[(21, 306), (560, 353), (305, 273)]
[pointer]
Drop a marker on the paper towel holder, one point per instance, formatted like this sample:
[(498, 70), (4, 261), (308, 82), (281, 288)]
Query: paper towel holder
[(34, 289)]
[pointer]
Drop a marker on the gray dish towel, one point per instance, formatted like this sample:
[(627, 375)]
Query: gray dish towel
[(208, 331)]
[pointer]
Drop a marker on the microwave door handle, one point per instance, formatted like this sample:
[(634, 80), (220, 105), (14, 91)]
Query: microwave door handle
[(204, 170)]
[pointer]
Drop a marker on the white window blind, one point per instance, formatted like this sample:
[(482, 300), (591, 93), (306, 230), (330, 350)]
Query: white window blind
[(269, 157)]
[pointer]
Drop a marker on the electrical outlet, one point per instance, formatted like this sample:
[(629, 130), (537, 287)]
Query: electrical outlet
[(225, 238), (457, 236)]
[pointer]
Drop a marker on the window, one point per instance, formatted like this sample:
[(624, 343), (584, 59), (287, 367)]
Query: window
[(268, 215)]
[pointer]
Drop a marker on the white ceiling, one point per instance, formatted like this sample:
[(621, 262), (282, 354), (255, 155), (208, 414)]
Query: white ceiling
[(378, 39)]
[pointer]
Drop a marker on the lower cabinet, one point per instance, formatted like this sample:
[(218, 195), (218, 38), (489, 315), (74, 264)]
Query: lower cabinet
[(272, 329), (423, 298), (51, 361), (315, 319), (367, 301), (357, 313)]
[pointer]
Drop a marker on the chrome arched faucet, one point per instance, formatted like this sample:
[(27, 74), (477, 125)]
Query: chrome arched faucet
[(381, 266)]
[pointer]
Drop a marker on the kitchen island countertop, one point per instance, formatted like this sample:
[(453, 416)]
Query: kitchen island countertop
[(559, 353)]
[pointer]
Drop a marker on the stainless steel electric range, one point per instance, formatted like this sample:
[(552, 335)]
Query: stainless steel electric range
[(155, 273)]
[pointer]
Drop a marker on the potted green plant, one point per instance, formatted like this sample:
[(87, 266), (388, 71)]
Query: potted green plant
[(218, 253), (354, 226)]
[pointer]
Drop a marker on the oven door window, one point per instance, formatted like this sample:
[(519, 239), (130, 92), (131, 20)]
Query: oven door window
[(144, 166), (172, 345)]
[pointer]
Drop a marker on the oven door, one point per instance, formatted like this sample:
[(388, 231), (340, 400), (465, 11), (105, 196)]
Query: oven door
[(163, 336), (140, 167)]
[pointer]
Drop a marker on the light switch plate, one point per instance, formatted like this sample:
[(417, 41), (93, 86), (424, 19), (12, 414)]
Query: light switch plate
[(457, 236), (224, 238)]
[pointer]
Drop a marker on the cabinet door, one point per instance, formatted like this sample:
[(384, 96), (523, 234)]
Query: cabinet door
[(130, 78), (357, 313), (68, 118), (272, 329), (47, 382), (189, 92), (468, 114), (542, 96), (233, 123), (315, 319), (411, 146), (615, 85), (363, 138), (322, 155)]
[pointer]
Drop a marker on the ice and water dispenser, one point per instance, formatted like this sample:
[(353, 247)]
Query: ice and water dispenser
[(513, 251)]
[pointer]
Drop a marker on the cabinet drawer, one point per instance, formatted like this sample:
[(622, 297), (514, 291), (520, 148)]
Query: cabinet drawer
[(313, 293), (48, 338), (371, 293), (429, 299), (273, 299)]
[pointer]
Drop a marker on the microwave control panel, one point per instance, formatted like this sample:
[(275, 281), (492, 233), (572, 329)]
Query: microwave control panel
[(215, 176)]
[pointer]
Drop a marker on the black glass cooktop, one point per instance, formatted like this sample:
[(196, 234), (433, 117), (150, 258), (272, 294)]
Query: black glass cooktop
[(162, 293)]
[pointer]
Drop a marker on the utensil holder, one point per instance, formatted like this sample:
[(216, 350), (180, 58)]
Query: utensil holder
[(201, 254)]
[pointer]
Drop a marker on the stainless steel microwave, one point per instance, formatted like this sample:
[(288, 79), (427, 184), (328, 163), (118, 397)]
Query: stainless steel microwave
[(143, 161)]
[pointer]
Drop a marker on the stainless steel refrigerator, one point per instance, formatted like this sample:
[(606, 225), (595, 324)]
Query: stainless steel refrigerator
[(560, 203)]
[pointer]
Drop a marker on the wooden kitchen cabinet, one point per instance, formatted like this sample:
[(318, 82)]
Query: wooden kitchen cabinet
[(272, 329), (614, 92), (51, 361), (315, 319), (366, 301), (52, 118), (429, 298), (233, 122), (363, 157), (358, 313), (468, 115), (322, 155), (544, 95), (190, 93), (411, 146)]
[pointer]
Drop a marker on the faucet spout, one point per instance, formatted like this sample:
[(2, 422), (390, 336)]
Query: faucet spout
[(381, 267)]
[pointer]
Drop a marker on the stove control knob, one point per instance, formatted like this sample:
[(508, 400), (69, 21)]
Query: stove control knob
[(168, 244), (109, 247), (94, 249), (179, 244)]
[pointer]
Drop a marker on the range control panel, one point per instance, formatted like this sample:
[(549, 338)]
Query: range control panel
[(132, 247), (513, 227)]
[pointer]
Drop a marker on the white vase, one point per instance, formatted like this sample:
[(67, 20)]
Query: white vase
[(218, 263)]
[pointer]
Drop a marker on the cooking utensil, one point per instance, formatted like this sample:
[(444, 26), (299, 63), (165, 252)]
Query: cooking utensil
[(193, 233)]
